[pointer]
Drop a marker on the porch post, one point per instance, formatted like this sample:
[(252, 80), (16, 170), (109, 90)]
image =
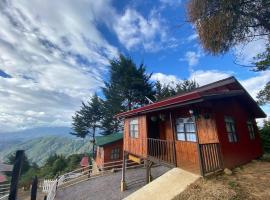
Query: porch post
[(124, 165), (146, 163), (198, 147), (174, 138)]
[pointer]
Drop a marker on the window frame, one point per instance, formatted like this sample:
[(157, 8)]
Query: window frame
[(184, 132), (115, 153), (251, 130), (133, 132), (232, 135)]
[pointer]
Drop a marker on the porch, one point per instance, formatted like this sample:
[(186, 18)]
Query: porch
[(174, 139)]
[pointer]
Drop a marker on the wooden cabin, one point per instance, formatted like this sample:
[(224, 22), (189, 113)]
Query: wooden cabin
[(109, 149), (205, 130)]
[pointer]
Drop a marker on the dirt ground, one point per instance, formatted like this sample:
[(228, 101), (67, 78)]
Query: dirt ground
[(251, 181)]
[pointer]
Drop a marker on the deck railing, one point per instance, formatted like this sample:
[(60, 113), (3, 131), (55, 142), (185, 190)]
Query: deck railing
[(161, 150), (211, 157)]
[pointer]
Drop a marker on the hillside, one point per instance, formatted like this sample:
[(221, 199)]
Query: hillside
[(39, 149)]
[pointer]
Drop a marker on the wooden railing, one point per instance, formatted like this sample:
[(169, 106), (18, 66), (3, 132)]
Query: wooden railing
[(210, 157), (161, 150)]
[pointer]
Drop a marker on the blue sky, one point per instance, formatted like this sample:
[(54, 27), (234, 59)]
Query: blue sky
[(54, 54)]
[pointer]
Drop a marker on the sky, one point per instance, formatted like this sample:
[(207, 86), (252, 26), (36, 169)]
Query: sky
[(55, 54)]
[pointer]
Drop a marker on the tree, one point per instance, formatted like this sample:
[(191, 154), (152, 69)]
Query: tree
[(265, 135), (127, 88), (185, 86), (223, 24), (25, 162), (264, 95), (163, 91), (167, 90), (88, 119)]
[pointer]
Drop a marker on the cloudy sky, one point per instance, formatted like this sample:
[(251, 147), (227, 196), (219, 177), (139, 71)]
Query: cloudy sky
[(54, 54)]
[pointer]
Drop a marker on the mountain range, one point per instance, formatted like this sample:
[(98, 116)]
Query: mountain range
[(40, 143)]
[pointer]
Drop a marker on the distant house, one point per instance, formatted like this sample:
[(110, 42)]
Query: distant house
[(4, 168), (109, 149), (84, 162), (205, 130)]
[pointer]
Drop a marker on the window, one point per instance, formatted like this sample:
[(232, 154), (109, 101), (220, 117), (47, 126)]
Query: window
[(134, 128), (230, 127), (185, 129), (115, 154), (251, 129)]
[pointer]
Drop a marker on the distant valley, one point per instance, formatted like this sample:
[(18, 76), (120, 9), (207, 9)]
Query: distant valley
[(40, 143)]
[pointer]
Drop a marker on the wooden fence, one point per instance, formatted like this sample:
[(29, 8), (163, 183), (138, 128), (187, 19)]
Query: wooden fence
[(211, 157)]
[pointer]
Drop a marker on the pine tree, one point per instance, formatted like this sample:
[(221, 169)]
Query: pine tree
[(88, 119), (126, 89)]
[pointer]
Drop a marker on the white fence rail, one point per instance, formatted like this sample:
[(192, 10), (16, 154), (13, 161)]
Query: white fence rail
[(4, 190), (47, 184), (5, 197), (82, 174)]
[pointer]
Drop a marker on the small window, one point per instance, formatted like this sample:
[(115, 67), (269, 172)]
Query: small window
[(230, 127), (185, 129), (134, 128), (115, 154), (251, 129)]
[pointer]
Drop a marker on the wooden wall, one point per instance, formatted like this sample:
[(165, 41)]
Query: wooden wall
[(245, 149), (108, 150), (136, 146), (105, 153), (100, 157)]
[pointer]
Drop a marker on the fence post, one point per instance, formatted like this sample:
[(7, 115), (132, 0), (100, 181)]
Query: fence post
[(57, 179), (34, 188), (16, 175)]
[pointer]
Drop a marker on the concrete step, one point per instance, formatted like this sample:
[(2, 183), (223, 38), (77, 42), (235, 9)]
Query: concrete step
[(166, 187)]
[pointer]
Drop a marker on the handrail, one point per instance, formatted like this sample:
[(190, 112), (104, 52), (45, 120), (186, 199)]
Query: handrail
[(5, 197), (161, 150), (86, 174)]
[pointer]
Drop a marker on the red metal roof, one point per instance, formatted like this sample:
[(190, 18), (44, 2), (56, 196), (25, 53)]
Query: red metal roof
[(222, 88), (85, 161), (3, 178)]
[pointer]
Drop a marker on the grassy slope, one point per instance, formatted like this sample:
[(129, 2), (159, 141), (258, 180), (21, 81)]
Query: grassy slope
[(39, 149)]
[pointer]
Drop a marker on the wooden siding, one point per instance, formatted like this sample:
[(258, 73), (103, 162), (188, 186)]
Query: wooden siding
[(136, 146), (206, 130), (245, 149), (187, 156), (105, 153)]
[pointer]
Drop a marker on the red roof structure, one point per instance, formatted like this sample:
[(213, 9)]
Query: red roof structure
[(85, 161), (224, 88), (2, 178)]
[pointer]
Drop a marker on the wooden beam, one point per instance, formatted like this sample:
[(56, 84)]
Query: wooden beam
[(134, 158), (16, 175), (34, 188), (124, 166)]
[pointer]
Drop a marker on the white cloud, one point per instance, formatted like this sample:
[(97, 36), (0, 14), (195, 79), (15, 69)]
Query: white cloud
[(246, 52), (56, 58), (192, 37), (203, 77), (192, 58), (164, 78), (171, 2), (134, 31)]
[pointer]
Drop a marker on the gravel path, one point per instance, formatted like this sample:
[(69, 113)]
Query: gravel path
[(108, 187)]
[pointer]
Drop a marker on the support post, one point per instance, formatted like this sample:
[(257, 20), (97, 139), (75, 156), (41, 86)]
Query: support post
[(124, 165), (34, 188), (147, 178), (16, 175)]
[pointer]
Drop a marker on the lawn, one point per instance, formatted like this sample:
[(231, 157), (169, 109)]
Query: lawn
[(251, 181)]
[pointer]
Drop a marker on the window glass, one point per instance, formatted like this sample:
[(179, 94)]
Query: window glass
[(251, 130), (230, 128), (134, 128), (185, 128)]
